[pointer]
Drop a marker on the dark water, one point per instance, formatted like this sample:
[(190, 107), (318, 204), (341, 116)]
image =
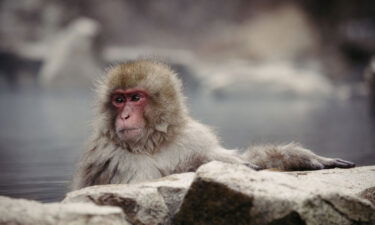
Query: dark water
[(42, 134)]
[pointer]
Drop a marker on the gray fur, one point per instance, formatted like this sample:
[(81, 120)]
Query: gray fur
[(173, 142)]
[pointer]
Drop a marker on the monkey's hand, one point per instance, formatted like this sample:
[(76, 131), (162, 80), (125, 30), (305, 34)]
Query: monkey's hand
[(291, 157)]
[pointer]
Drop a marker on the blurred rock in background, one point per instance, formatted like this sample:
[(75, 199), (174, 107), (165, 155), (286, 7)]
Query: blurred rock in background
[(336, 38), (243, 79), (72, 60), (281, 32)]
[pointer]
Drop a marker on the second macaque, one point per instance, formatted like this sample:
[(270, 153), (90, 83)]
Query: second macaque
[(143, 131)]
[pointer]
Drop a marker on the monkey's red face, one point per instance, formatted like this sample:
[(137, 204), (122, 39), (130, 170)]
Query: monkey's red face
[(130, 106)]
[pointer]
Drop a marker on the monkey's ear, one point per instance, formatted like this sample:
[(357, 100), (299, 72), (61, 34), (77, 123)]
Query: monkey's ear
[(162, 127)]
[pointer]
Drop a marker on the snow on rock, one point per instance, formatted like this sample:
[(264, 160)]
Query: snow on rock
[(71, 61), (276, 79)]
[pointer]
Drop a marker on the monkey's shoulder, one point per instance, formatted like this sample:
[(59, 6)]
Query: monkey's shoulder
[(197, 136)]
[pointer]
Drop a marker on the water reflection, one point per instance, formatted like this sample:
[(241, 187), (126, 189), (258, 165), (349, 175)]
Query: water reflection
[(41, 138), (43, 134)]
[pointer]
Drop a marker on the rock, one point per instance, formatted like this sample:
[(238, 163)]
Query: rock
[(218, 193), (147, 203), (283, 31), (26, 212), (72, 60), (265, 37), (238, 78), (234, 194)]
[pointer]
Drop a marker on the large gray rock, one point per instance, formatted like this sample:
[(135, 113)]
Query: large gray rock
[(219, 193), (234, 194), (26, 212), (149, 203)]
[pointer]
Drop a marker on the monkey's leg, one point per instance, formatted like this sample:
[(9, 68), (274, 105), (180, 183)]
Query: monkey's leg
[(291, 157)]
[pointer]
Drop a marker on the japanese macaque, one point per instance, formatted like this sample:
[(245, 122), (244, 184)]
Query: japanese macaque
[(143, 131)]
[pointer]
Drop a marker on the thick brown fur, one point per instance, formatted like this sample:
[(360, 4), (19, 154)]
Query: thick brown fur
[(171, 142)]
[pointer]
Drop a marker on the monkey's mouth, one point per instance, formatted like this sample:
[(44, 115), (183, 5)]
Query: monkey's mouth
[(129, 133), (129, 130)]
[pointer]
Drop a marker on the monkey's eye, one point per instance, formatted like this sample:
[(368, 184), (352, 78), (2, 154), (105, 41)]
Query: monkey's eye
[(135, 97), (118, 100)]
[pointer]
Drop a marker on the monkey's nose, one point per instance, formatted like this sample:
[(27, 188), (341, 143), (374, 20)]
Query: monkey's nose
[(125, 116)]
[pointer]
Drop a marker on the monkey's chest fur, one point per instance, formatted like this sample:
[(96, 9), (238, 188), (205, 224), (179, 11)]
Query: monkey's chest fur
[(107, 163), (113, 165)]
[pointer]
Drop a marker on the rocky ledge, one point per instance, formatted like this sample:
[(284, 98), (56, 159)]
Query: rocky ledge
[(218, 193)]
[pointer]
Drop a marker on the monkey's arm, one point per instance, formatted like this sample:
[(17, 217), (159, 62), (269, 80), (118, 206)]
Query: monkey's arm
[(82, 176), (230, 156), (291, 157), (206, 147), (91, 167), (78, 182)]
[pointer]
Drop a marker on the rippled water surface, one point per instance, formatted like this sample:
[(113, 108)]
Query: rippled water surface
[(42, 134)]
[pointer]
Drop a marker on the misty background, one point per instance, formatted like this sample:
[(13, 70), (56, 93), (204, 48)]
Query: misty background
[(256, 71)]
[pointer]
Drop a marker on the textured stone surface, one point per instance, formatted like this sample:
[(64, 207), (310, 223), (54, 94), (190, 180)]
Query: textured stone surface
[(219, 193), (233, 194), (26, 212), (150, 203)]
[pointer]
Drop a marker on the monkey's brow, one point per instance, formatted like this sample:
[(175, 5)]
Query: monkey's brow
[(130, 91)]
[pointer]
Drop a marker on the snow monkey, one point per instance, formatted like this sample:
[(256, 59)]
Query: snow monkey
[(143, 131)]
